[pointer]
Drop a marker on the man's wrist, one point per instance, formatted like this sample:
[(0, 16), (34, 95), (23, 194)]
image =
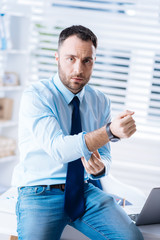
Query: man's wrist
[(96, 139), (102, 172), (111, 136)]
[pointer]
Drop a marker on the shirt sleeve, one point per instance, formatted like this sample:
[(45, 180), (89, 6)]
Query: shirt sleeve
[(105, 151), (45, 129)]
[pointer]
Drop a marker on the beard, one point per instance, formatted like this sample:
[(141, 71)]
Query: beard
[(74, 87)]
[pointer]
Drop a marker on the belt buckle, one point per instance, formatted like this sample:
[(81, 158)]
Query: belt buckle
[(62, 187)]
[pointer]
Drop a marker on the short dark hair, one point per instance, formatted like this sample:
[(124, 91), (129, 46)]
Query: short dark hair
[(81, 32)]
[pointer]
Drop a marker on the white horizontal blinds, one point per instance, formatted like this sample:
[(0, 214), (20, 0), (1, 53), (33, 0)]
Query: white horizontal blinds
[(105, 77), (95, 5), (129, 38), (107, 59), (110, 75), (44, 41), (41, 43), (154, 104)]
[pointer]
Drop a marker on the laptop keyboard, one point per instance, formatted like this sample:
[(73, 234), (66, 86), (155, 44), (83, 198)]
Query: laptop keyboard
[(134, 217)]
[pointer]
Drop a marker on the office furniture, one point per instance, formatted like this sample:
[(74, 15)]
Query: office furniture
[(8, 201)]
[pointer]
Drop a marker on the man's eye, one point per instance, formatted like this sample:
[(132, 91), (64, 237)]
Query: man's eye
[(70, 59), (87, 61)]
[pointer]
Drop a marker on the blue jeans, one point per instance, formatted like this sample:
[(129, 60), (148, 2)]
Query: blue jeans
[(41, 216)]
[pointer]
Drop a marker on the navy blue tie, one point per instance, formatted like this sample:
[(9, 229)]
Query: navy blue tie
[(74, 189), (96, 183)]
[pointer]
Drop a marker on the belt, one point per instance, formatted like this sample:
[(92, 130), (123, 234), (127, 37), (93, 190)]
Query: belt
[(59, 186)]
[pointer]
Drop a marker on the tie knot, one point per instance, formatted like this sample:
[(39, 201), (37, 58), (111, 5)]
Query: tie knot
[(75, 102)]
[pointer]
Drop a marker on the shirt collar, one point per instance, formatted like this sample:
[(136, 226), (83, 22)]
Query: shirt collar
[(68, 95)]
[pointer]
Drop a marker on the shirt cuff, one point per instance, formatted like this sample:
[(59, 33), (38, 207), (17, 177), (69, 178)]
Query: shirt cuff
[(98, 176), (105, 171), (86, 153)]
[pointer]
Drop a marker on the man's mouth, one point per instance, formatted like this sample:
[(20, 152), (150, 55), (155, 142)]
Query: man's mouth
[(77, 78)]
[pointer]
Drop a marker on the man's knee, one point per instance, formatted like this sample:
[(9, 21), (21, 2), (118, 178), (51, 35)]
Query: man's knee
[(134, 233)]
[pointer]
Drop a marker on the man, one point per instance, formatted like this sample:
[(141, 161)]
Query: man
[(64, 133)]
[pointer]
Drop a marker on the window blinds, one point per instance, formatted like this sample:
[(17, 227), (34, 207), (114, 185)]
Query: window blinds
[(127, 68)]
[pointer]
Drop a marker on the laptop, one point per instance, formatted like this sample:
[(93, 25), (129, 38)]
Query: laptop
[(150, 213)]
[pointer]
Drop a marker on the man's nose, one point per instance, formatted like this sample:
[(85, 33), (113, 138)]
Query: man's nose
[(78, 67)]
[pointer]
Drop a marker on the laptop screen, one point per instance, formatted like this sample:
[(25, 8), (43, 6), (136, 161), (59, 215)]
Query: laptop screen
[(150, 213)]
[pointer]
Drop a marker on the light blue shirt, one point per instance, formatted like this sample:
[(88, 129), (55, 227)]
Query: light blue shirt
[(45, 143)]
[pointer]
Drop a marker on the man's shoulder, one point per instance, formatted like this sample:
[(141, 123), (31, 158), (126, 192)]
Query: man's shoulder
[(43, 86), (95, 93)]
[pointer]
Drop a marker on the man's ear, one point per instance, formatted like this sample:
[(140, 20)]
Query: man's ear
[(56, 57)]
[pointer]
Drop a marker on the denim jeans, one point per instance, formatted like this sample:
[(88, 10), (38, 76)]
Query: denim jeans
[(41, 216)]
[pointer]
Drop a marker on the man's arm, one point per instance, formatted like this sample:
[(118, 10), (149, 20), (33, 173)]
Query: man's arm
[(123, 126), (44, 127)]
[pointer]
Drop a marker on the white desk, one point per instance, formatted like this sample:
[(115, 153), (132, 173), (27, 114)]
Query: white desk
[(8, 221), (150, 232)]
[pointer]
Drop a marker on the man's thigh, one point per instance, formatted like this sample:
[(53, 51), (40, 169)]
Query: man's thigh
[(104, 218), (40, 213)]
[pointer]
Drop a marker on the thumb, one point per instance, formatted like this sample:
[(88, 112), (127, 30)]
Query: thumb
[(96, 154), (125, 113)]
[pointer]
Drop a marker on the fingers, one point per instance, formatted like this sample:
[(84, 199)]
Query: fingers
[(127, 120), (94, 165), (96, 155), (124, 125), (132, 130), (128, 126), (89, 169), (125, 113)]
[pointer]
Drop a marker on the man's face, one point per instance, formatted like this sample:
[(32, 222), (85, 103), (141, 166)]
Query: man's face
[(75, 62)]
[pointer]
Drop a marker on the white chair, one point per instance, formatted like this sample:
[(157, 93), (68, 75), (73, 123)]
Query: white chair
[(8, 222), (113, 186)]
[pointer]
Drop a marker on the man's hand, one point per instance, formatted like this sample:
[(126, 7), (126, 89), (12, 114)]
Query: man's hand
[(123, 126), (94, 165)]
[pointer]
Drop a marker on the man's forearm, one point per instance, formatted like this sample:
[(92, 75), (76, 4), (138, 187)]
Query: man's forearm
[(123, 126), (96, 139)]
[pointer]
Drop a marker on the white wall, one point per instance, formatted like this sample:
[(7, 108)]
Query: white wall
[(137, 162)]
